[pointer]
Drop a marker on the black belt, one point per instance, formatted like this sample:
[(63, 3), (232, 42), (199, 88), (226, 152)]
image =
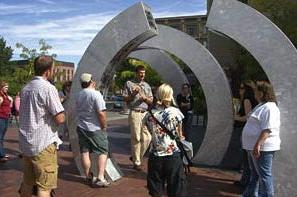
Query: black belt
[(139, 110)]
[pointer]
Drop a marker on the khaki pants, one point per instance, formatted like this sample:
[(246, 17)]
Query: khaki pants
[(140, 136)]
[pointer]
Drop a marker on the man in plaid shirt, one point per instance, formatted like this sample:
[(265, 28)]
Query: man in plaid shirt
[(40, 113)]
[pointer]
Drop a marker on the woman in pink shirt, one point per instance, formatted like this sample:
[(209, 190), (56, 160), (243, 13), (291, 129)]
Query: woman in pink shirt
[(16, 103)]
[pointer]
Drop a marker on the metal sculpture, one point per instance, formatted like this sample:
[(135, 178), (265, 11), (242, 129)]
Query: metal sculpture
[(278, 58), (168, 69)]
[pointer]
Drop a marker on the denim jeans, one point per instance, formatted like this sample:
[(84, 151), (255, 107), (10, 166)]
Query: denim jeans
[(246, 173), (3, 129), (261, 182)]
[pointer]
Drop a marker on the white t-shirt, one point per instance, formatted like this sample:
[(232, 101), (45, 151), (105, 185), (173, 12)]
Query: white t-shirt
[(88, 103), (264, 116)]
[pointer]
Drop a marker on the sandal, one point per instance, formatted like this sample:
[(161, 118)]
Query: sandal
[(3, 159)]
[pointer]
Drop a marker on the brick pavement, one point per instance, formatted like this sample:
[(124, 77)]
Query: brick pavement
[(203, 182)]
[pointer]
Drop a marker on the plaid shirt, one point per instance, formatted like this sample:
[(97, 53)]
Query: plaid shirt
[(39, 104)]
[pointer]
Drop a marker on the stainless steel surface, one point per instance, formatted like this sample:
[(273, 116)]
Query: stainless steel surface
[(278, 57)]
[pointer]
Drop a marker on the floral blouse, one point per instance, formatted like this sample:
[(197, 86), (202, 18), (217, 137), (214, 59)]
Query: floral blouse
[(162, 144)]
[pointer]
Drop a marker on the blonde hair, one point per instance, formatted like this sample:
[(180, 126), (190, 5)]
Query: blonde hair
[(165, 95)]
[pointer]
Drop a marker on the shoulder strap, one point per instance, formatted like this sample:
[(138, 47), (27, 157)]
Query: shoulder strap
[(176, 138), (163, 126)]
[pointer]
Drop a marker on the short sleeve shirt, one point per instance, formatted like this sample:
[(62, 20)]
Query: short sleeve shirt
[(88, 103), (39, 103), (264, 116), (162, 144), (145, 89)]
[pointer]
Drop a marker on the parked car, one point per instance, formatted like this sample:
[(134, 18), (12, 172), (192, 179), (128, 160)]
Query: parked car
[(118, 102)]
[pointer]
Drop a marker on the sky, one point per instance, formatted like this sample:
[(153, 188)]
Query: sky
[(70, 25)]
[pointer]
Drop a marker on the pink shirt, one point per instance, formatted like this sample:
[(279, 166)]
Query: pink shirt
[(17, 102)]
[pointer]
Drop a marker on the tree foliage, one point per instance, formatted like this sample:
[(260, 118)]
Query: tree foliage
[(5, 55), (127, 72), (17, 76), (26, 74)]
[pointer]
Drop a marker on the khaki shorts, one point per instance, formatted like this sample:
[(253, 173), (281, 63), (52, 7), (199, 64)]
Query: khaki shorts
[(42, 169)]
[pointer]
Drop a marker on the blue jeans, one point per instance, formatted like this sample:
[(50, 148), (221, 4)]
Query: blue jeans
[(261, 181), (3, 129)]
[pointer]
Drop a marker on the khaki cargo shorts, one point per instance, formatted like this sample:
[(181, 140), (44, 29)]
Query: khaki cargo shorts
[(42, 169)]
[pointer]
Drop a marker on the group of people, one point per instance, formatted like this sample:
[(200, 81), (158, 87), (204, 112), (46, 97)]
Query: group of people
[(41, 112), (165, 165), (258, 119)]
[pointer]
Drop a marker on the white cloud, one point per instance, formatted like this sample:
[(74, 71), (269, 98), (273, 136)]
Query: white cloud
[(69, 36), (46, 1), (7, 9)]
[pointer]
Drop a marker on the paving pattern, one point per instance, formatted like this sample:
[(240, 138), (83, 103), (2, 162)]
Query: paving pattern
[(206, 182)]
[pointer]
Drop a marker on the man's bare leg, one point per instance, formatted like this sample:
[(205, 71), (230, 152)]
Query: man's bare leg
[(102, 159), (42, 193), (86, 163)]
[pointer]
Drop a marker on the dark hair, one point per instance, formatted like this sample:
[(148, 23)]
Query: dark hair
[(85, 84), (267, 90), (139, 68), (65, 85), (249, 93), (42, 64), (186, 84)]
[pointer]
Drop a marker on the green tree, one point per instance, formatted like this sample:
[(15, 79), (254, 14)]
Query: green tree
[(5, 55), (127, 72), (25, 74), (16, 76)]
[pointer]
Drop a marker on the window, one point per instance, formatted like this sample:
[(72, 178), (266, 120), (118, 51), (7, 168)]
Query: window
[(191, 30)]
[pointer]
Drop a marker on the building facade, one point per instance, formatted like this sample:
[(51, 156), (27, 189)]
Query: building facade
[(63, 71), (192, 25)]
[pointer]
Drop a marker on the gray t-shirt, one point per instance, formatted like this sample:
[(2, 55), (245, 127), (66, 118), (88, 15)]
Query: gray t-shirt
[(88, 103), (145, 90)]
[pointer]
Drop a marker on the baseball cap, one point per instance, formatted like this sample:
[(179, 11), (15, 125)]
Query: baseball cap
[(85, 77)]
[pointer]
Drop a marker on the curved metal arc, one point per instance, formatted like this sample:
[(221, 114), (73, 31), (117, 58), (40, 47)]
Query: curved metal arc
[(160, 61), (213, 82), (120, 35), (278, 58)]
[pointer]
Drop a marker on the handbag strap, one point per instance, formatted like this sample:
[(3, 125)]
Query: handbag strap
[(173, 137)]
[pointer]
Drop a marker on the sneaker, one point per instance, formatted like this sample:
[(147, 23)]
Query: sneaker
[(3, 159), (101, 183), (90, 179)]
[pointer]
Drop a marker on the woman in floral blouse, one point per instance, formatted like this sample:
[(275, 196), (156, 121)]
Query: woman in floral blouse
[(165, 164)]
